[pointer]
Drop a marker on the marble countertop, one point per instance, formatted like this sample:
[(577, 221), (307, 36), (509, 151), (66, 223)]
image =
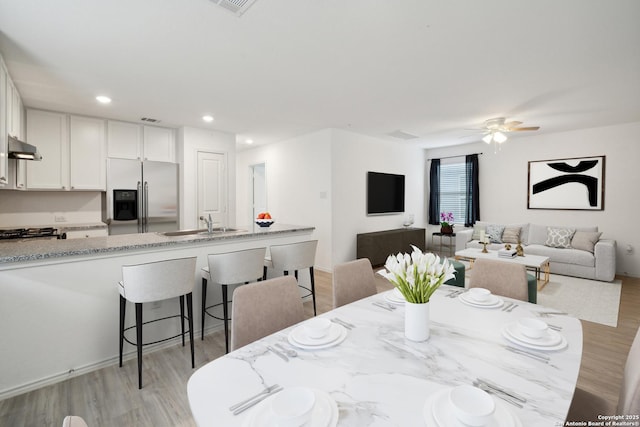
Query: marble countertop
[(378, 377), (33, 250)]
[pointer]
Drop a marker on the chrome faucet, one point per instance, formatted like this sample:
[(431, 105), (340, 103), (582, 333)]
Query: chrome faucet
[(209, 223)]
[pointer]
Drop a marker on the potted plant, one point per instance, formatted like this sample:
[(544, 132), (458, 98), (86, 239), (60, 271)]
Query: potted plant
[(417, 276), (446, 222)]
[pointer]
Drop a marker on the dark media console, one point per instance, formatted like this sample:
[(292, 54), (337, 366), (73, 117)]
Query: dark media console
[(377, 246)]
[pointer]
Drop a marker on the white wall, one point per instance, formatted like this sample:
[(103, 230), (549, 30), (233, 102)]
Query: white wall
[(503, 183), (319, 179), (189, 142), (298, 181), (352, 156), (40, 208)]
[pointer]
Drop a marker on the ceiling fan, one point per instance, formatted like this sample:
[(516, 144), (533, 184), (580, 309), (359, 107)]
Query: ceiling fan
[(495, 129)]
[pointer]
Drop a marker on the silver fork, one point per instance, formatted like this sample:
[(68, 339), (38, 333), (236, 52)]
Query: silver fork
[(288, 351), (255, 396), (387, 307), (343, 323), (506, 307), (510, 309)]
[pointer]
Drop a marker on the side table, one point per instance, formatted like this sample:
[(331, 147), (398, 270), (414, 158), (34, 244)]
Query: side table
[(450, 247)]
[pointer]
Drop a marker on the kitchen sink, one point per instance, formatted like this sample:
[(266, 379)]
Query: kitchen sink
[(201, 231)]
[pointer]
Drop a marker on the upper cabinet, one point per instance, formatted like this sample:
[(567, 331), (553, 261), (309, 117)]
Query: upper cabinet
[(138, 142), (50, 133), (4, 161), (87, 156), (10, 124), (73, 152)]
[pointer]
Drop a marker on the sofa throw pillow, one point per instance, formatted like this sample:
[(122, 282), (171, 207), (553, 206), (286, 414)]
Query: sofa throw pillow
[(494, 233), (585, 240), (476, 231), (511, 234), (559, 237)]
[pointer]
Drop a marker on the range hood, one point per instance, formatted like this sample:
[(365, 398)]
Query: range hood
[(22, 151)]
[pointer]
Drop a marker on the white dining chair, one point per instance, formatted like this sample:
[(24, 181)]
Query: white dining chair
[(227, 269), (156, 281), (588, 406), (501, 278), (261, 309), (352, 281), (294, 257)]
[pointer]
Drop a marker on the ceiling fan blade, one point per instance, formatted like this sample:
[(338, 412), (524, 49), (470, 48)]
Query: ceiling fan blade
[(512, 124), (527, 128)]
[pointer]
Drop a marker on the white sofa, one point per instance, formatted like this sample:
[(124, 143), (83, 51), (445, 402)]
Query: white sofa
[(599, 264)]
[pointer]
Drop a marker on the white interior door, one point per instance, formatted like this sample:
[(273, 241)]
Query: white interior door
[(212, 188), (258, 191)]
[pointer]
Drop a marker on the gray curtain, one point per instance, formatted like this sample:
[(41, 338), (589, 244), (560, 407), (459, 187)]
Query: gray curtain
[(472, 213), (434, 192)]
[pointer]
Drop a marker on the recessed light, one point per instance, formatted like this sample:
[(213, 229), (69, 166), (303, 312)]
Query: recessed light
[(207, 118), (249, 141), (103, 99)]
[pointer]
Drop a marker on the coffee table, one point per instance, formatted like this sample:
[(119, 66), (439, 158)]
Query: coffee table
[(531, 262)]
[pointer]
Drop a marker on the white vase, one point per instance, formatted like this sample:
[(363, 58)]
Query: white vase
[(416, 321)]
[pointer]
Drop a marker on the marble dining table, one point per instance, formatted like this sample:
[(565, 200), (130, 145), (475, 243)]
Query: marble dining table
[(377, 377)]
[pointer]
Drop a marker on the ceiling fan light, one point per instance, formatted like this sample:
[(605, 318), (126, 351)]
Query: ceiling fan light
[(488, 138), (499, 137)]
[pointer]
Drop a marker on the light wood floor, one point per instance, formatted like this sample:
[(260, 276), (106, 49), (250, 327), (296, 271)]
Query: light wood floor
[(110, 396)]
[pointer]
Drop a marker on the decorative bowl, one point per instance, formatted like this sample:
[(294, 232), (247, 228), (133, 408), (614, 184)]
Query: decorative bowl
[(317, 327), (264, 222), (479, 294), (292, 406), (471, 405), (532, 328)]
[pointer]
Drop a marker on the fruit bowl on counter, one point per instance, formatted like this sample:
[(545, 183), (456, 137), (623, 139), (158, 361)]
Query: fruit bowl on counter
[(264, 219)]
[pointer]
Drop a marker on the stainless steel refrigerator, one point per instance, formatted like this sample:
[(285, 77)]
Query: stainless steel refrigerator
[(141, 196)]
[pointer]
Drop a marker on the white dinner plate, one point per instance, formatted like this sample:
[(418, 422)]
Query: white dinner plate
[(437, 412), (493, 302), (394, 296), (324, 413), (550, 337), (562, 344), (299, 338)]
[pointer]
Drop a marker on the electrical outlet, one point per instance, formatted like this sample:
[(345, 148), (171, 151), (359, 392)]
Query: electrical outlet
[(60, 218)]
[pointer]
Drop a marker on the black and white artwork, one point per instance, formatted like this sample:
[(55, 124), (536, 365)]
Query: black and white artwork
[(576, 183)]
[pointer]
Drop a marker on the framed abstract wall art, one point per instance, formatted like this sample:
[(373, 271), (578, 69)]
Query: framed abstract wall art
[(576, 183)]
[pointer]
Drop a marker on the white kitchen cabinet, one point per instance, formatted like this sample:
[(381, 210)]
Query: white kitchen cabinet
[(73, 152), (82, 234), (50, 133), (124, 140), (138, 142), (87, 147), (159, 144), (4, 162)]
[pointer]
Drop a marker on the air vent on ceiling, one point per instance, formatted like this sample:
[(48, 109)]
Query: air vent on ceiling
[(402, 135), (149, 120), (236, 6)]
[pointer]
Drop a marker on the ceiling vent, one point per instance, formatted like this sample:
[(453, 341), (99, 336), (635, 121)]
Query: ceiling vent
[(402, 135), (149, 120), (236, 6)]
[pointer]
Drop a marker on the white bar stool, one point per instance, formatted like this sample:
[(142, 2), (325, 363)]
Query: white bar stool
[(156, 281), (294, 257), (230, 268)]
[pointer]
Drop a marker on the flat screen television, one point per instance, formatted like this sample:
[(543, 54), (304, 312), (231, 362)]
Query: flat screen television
[(385, 193)]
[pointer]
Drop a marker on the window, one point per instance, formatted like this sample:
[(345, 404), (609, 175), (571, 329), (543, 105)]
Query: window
[(453, 188)]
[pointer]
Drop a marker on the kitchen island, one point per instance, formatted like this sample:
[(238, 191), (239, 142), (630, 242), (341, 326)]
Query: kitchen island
[(59, 305)]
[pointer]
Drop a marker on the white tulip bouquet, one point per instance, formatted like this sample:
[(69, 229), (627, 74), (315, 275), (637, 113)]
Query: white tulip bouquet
[(417, 275)]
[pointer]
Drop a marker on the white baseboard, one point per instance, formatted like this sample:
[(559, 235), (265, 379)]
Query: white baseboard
[(81, 370)]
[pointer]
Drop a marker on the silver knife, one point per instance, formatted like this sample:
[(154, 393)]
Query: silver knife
[(378, 304), (502, 390), (255, 401), (343, 323), (278, 353), (506, 307), (539, 357)]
